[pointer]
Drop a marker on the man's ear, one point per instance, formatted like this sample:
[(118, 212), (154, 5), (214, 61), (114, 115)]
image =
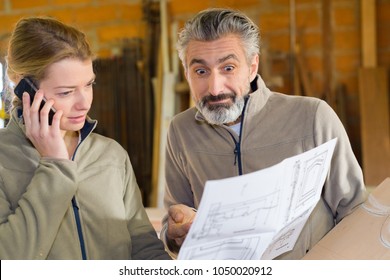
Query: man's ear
[(254, 67)]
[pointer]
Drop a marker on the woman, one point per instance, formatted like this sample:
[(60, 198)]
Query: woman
[(65, 192)]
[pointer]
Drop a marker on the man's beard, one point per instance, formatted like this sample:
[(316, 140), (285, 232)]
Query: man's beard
[(221, 113)]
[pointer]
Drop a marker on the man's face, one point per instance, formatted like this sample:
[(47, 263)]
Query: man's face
[(219, 77)]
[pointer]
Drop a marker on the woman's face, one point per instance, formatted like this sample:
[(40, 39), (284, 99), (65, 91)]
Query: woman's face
[(69, 83)]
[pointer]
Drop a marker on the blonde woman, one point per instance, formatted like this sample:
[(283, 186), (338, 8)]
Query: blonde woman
[(65, 192)]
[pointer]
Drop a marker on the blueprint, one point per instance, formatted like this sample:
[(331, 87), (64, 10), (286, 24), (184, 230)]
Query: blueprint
[(258, 215)]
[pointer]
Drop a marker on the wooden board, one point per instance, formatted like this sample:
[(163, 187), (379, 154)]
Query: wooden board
[(375, 124), (374, 102), (363, 235)]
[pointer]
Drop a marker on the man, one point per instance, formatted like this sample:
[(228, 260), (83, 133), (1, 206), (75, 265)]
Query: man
[(239, 126)]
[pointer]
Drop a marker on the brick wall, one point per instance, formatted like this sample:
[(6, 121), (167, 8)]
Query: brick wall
[(107, 22)]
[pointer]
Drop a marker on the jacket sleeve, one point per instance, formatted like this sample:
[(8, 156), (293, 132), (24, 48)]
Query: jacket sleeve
[(344, 188), (28, 229), (177, 187), (144, 241)]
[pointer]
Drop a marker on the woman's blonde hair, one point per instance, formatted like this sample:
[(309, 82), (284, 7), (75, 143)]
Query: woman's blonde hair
[(38, 42)]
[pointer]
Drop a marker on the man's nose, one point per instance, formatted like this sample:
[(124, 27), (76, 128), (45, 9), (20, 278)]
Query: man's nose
[(216, 84)]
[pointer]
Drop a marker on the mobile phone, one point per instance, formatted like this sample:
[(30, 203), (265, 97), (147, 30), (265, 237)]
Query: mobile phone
[(27, 85)]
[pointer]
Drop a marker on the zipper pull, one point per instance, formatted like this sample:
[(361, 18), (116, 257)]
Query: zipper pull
[(235, 155)]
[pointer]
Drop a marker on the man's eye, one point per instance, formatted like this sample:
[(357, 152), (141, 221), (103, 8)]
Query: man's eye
[(229, 68), (200, 71)]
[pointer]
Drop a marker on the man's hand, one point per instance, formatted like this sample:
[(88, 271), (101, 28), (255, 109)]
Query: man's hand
[(180, 218)]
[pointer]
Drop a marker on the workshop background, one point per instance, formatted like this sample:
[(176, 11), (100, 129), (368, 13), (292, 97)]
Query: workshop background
[(338, 51)]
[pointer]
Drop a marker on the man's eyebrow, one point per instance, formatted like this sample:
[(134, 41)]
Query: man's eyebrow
[(223, 59), (196, 60), (220, 60)]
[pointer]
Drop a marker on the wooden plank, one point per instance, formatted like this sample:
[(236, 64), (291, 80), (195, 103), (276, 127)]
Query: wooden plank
[(327, 52), (303, 73), (295, 87), (157, 89), (369, 33), (359, 236), (375, 124), (166, 101), (374, 103)]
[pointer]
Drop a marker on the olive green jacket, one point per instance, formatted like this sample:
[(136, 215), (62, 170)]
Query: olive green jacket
[(57, 209)]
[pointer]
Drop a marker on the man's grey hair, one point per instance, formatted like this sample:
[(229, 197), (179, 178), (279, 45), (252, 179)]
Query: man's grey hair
[(215, 23)]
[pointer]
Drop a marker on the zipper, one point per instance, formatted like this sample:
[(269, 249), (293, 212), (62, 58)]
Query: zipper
[(237, 156), (79, 229), (76, 212), (237, 148)]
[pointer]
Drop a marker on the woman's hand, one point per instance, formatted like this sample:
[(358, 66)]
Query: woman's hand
[(46, 138)]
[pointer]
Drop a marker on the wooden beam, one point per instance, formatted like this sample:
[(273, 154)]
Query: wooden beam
[(303, 73), (374, 103), (368, 26), (327, 53), (166, 86), (375, 124)]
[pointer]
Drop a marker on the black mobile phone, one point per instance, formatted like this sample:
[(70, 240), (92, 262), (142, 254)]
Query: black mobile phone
[(27, 85)]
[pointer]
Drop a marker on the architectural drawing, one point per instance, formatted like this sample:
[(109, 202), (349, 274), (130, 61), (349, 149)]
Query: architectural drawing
[(305, 189), (230, 249), (261, 214), (224, 218)]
